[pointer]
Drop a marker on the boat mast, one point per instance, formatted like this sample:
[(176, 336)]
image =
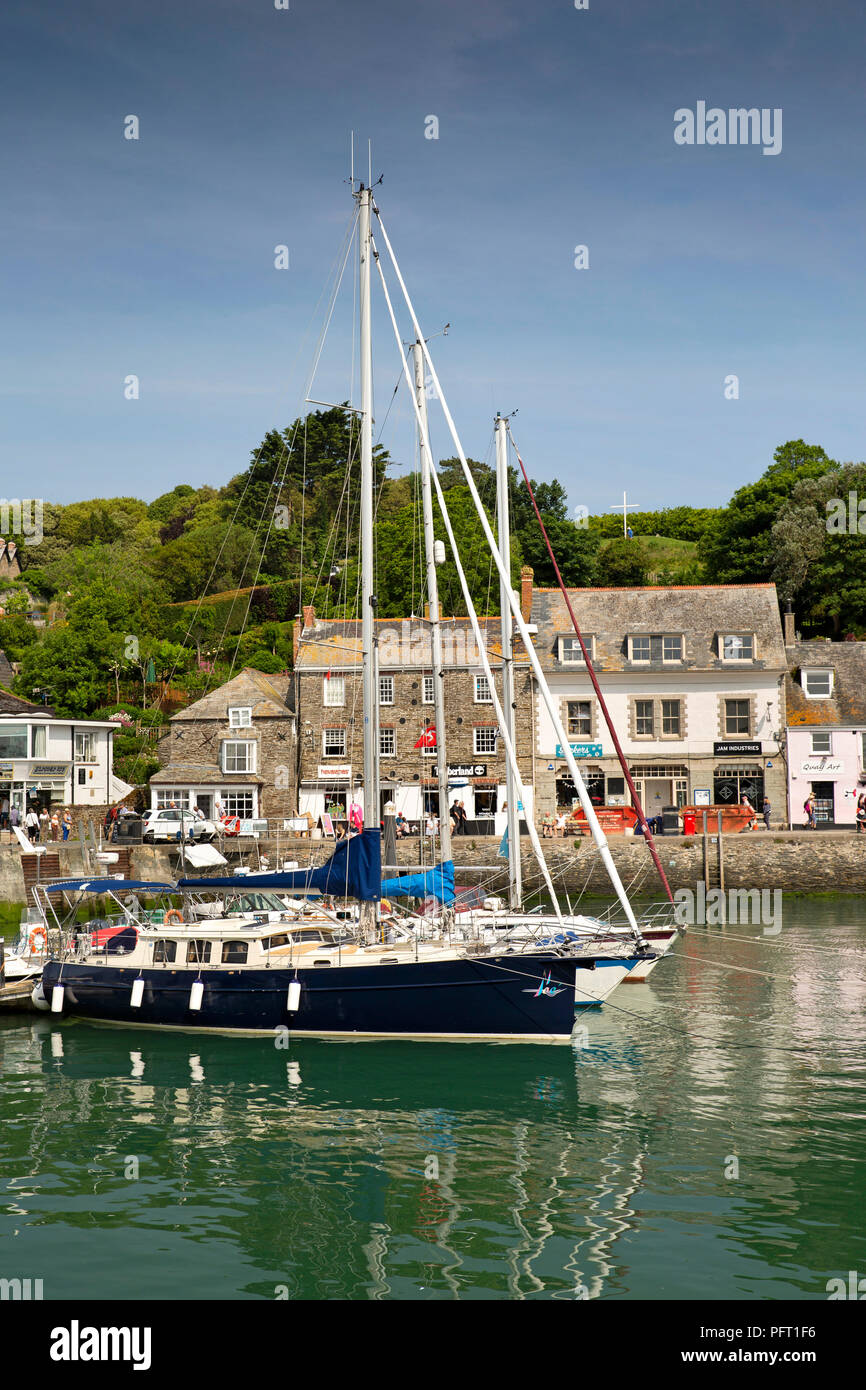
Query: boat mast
[(515, 887), (433, 601), (368, 598)]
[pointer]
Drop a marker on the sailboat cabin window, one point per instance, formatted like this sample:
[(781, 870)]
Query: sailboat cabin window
[(234, 953), (240, 717), (198, 952), (334, 743), (570, 653), (333, 691), (164, 952)]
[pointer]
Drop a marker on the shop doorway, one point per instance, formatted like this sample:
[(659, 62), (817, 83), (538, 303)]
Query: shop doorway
[(823, 801), (204, 802)]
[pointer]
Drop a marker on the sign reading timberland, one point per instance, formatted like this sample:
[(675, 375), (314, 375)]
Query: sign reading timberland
[(581, 750), (467, 769), (736, 749)]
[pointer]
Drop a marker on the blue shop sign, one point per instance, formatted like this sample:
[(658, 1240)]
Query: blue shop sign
[(581, 750)]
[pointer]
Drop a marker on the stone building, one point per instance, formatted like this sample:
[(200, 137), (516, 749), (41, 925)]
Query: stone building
[(235, 749), (825, 698), (692, 677), (330, 721)]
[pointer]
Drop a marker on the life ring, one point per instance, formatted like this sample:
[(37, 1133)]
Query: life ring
[(231, 825), (173, 915), (31, 940)]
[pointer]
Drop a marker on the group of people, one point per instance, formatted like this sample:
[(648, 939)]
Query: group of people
[(41, 825)]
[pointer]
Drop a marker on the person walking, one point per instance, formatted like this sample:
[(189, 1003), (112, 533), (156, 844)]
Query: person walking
[(31, 825), (4, 813), (44, 825), (14, 820), (67, 824), (765, 811), (861, 813), (809, 809), (55, 828)]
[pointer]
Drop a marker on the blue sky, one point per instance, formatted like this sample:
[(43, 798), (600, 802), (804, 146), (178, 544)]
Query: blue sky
[(155, 257)]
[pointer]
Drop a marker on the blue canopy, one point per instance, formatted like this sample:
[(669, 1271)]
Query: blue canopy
[(437, 883), (106, 885), (353, 871)]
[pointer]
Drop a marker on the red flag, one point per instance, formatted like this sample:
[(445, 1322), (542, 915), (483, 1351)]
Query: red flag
[(428, 738)]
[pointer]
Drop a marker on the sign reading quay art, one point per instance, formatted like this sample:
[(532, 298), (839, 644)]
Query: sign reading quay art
[(581, 750), (821, 767)]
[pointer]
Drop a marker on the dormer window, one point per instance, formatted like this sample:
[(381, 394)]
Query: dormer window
[(570, 653), (817, 684), (737, 646), (655, 647), (240, 716)]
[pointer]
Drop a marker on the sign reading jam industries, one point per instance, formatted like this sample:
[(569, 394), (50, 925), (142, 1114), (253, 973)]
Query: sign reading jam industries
[(735, 749), (581, 750)]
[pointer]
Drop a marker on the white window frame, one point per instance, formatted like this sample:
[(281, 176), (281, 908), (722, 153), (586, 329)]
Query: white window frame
[(249, 744), (741, 637), (387, 735), (663, 638), (333, 687), (817, 671), (483, 695), (484, 733), (179, 795), (240, 716), (572, 733), (333, 753), (428, 683), (386, 690), (570, 653), (825, 737), (38, 735), (85, 746)]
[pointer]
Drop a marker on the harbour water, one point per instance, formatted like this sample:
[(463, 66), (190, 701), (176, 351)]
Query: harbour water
[(704, 1139)]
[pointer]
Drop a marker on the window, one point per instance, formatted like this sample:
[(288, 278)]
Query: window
[(82, 776), (483, 694), (738, 647), (238, 756), (737, 717), (484, 739), (165, 796), (616, 786), (13, 740), (428, 694), (234, 953), (656, 648), (238, 804), (334, 691), (822, 743), (570, 653), (240, 717), (164, 952), (387, 743), (643, 718), (681, 792), (37, 741), (386, 690), (198, 952), (485, 802), (817, 685), (671, 720), (579, 718), (731, 784), (334, 743), (85, 746)]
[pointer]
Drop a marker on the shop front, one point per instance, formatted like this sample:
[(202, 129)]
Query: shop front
[(41, 786)]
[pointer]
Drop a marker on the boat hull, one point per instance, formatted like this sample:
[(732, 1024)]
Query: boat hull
[(525, 997)]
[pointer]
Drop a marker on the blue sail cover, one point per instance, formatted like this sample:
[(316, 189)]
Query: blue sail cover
[(353, 871), (437, 883), (105, 885)]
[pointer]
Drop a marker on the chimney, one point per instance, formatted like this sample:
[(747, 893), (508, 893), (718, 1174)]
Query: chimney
[(309, 613), (788, 620), (526, 576)]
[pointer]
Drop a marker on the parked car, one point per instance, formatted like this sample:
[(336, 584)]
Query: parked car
[(166, 825)]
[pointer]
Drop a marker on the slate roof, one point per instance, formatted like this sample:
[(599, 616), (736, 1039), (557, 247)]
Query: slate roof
[(269, 696), (699, 612), (337, 645), (847, 706), (13, 704)]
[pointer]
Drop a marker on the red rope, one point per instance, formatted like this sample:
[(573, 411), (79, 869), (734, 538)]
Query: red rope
[(597, 688)]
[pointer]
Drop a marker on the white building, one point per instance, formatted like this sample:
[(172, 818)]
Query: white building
[(53, 762)]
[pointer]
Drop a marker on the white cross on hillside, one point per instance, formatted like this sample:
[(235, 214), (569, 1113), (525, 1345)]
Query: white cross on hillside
[(625, 508)]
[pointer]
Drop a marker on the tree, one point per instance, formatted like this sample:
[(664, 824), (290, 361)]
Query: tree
[(818, 550), (622, 564)]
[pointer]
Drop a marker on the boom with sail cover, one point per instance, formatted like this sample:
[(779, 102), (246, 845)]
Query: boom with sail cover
[(354, 870), (432, 883)]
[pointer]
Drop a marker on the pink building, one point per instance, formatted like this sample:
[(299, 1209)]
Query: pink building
[(825, 697)]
